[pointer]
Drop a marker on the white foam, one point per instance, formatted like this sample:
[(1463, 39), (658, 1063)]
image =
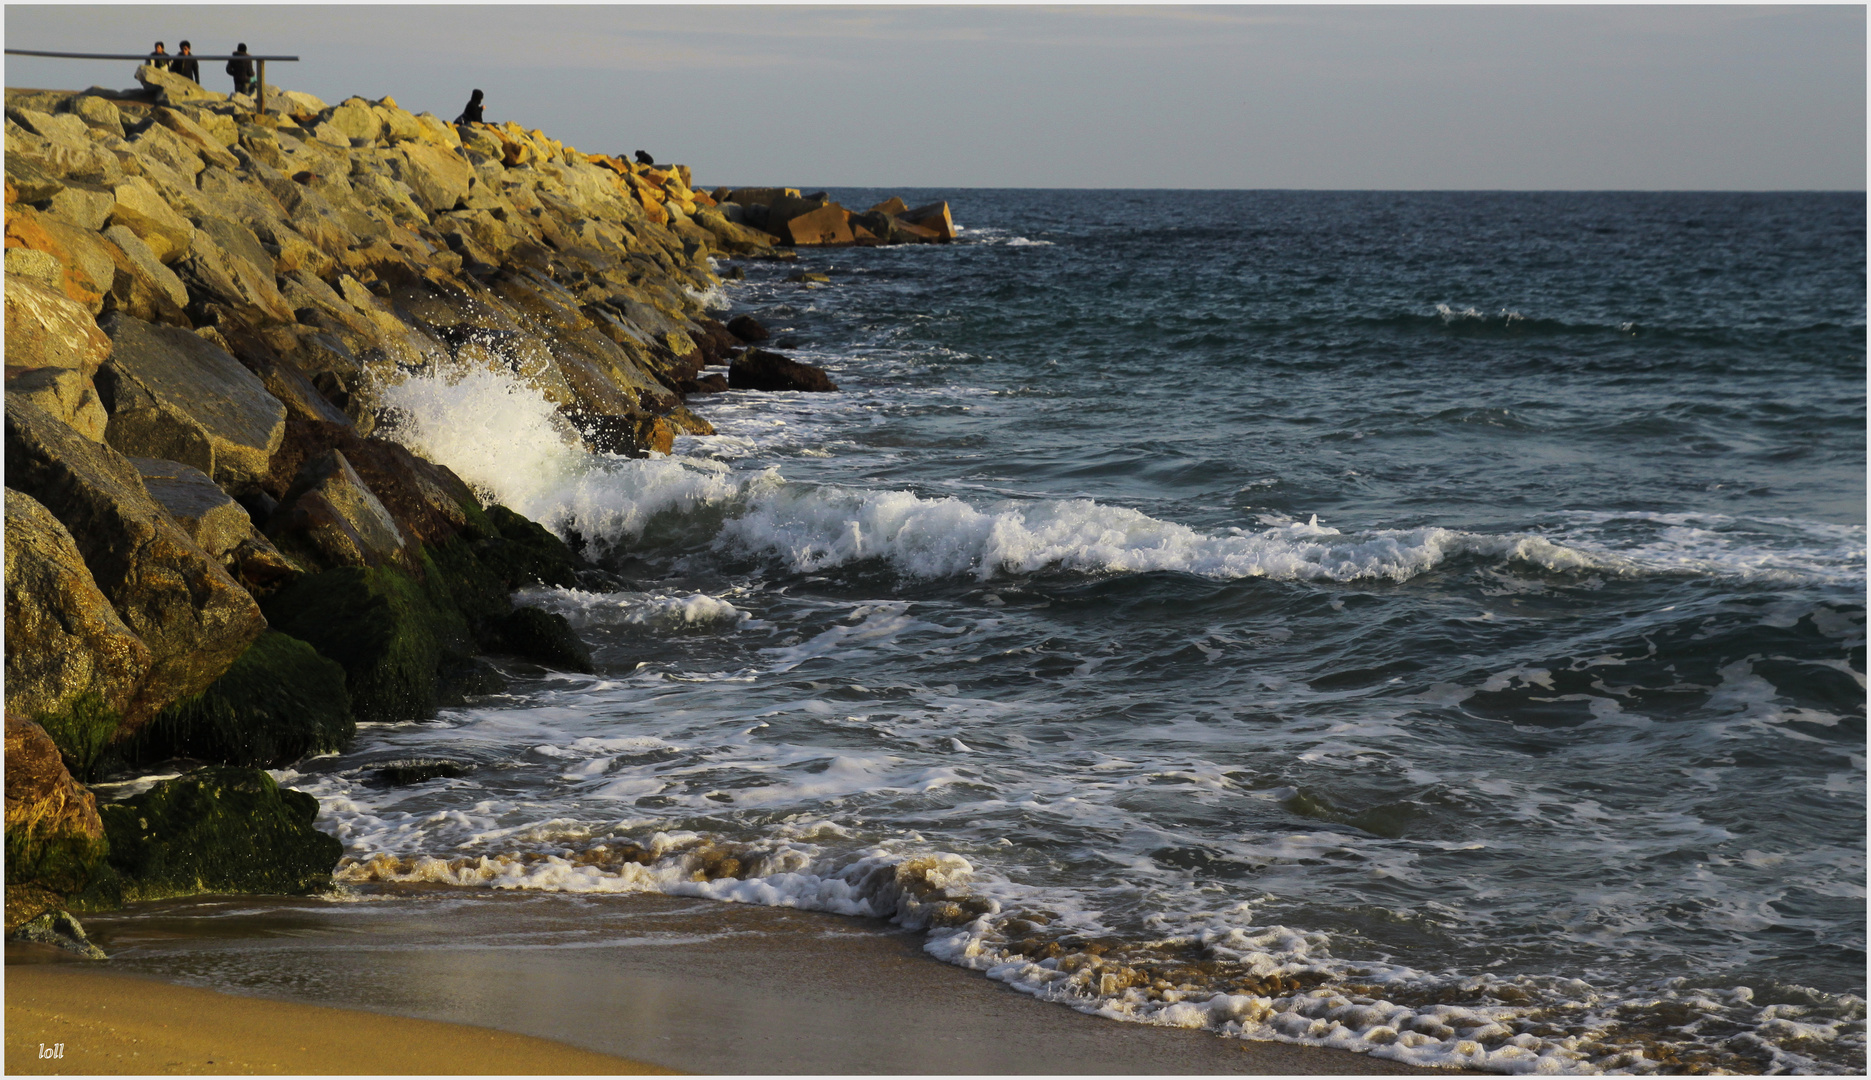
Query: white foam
[(664, 611)]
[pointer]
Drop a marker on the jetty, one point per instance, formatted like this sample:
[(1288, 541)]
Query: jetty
[(214, 558)]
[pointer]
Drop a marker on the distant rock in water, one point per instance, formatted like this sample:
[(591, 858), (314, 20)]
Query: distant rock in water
[(763, 370), (748, 329)]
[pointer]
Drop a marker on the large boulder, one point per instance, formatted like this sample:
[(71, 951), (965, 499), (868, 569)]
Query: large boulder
[(331, 515), (439, 178), (763, 370), (143, 286), (279, 702), (70, 660), (729, 236), (46, 328), (209, 515), (86, 269), (54, 836), (428, 501), (211, 148), (222, 527), (171, 89), (828, 224), (168, 591), (748, 329), (227, 264), (87, 206), (934, 217), (174, 395), (142, 209), (65, 393), (218, 830)]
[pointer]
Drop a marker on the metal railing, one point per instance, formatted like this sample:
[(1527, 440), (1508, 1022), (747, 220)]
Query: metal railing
[(165, 58)]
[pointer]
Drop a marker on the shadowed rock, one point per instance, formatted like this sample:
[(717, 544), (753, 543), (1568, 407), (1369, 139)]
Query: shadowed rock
[(63, 392), (173, 395), (64, 640), (168, 591), (763, 370), (333, 515), (54, 836)]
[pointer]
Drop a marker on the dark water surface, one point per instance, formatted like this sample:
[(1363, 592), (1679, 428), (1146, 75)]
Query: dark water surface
[(1423, 623)]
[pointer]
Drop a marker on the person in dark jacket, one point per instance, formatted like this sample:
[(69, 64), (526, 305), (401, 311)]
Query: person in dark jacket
[(159, 57), (184, 64), (471, 114), (241, 70)]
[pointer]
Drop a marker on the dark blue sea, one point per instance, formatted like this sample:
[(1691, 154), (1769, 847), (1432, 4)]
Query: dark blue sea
[(1425, 623)]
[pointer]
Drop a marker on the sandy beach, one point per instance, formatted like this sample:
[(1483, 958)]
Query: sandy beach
[(695, 986), (65, 1019)]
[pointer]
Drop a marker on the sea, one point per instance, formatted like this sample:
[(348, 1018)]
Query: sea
[(1429, 624)]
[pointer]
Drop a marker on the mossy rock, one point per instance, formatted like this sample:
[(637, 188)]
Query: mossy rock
[(81, 731), (279, 702), (525, 553), (544, 637), (218, 830), (63, 864), (389, 631)]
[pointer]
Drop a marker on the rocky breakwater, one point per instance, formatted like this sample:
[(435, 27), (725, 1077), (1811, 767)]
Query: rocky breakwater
[(215, 564)]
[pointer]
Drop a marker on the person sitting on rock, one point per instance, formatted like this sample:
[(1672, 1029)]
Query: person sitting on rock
[(472, 113), (643, 158), (159, 57), (241, 70), (184, 64)]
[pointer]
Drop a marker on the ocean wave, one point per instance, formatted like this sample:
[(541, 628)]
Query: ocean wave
[(507, 441)]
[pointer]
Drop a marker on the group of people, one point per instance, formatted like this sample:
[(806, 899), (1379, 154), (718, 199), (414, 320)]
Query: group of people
[(183, 64)]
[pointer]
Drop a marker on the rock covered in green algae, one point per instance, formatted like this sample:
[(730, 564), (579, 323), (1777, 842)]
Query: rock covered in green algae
[(54, 839), (219, 829), (281, 701)]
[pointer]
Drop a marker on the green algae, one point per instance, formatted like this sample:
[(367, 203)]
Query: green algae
[(220, 829), (280, 702), (81, 730)]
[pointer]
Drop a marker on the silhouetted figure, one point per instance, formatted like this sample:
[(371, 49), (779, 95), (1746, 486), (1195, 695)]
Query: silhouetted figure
[(185, 66), (159, 57), (645, 159), (241, 70), (471, 114)]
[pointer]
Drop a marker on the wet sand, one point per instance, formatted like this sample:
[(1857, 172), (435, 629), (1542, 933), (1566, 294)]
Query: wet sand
[(693, 985)]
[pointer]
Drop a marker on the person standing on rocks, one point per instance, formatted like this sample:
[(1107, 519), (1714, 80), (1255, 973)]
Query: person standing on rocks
[(472, 113), (241, 70), (184, 64), (159, 57)]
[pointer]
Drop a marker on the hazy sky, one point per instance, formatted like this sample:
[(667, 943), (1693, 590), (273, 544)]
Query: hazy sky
[(1197, 97)]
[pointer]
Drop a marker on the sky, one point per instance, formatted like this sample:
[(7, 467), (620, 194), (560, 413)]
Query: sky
[(1385, 97)]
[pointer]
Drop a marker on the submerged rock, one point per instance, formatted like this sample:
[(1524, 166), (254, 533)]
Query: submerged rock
[(218, 830), (763, 370), (543, 637), (748, 329)]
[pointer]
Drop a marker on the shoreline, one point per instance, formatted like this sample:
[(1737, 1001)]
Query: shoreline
[(673, 983)]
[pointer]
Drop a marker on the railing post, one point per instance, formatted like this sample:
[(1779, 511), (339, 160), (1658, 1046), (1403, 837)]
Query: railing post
[(260, 104)]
